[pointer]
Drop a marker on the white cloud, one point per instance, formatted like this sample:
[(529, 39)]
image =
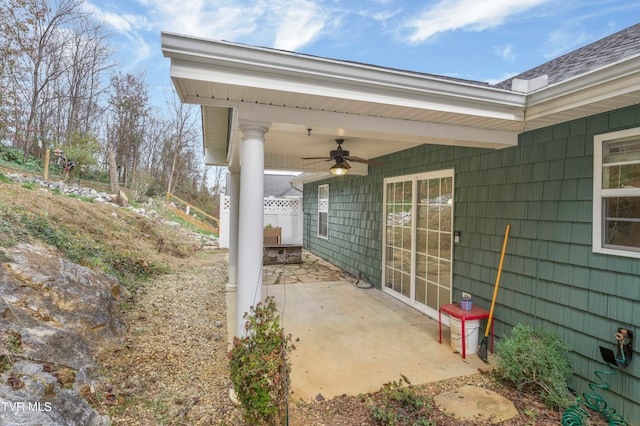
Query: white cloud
[(284, 24), (119, 22), (129, 29), (297, 23), (474, 15), (385, 15), (505, 52), (220, 20)]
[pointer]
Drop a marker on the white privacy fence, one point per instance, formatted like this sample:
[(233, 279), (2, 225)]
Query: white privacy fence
[(285, 213)]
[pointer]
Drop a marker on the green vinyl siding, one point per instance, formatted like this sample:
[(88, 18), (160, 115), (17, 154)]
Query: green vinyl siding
[(551, 278)]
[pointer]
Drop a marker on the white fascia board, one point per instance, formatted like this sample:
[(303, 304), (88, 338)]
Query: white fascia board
[(604, 83), (384, 128), (241, 65)]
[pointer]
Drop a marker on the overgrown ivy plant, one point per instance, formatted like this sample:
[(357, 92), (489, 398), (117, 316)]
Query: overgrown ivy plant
[(260, 366), (536, 358)]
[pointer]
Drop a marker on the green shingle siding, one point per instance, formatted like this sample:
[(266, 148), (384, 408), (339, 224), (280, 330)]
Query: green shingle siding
[(556, 149), (561, 131), (585, 189), (576, 145), (540, 172), (581, 233), (598, 124), (543, 135), (551, 278), (556, 170), (578, 167), (623, 118), (579, 255)]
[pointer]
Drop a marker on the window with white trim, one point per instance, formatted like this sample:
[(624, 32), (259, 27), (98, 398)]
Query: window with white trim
[(323, 211), (616, 193)]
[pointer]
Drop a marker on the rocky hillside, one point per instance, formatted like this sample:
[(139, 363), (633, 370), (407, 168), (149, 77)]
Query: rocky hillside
[(70, 262)]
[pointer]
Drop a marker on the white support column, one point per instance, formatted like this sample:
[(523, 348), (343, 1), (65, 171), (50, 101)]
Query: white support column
[(234, 210), (251, 220)]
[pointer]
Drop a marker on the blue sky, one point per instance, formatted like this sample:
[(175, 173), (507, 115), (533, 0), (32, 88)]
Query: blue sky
[(483, 40)]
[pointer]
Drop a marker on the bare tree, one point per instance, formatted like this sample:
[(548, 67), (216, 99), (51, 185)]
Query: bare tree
[(90, 59), (57, 57), (184, 121), (40, 44), (129, 109), (53, 90)]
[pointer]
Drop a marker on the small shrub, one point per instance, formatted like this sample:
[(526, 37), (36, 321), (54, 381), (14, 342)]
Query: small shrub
[(260, 367), (398, 405), (536, 359), (11, 155)]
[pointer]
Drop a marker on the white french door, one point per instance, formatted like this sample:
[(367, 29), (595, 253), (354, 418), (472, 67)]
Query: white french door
[(418, 239)]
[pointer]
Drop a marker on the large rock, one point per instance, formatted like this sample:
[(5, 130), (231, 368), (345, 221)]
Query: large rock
[(34, 397), (60, 293), (474, 403), (54, 313)]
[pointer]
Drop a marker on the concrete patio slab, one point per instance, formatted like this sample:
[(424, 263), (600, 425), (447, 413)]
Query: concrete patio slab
[(351, 341)]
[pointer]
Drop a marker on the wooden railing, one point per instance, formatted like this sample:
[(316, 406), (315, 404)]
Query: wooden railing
[(205, 222)]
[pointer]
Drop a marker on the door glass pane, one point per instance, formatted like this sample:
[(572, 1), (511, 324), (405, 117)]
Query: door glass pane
[(432, 295), (406, 261), (406, 238), (433, 270), (444, 273), (420, 207), (423, 192), (444, 295), (421, 266), (406, 285), (398, 246), (433, 244), (445, 245), (421, 291), (435, 214), (397, 280), (423, 216), (446, 205), (421, 241)]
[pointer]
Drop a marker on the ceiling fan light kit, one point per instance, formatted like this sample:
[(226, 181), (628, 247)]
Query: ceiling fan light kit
[(340, 156), (339, 169)]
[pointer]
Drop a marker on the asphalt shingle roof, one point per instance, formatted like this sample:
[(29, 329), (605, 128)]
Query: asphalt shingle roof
[(609, 50)]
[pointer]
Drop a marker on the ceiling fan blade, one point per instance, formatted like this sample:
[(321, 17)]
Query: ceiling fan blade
[(315, 162), (316, 158), (362, 160), (346, 164)]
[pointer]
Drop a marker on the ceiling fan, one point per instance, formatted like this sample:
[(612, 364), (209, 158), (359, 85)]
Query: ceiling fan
[(340, 156)]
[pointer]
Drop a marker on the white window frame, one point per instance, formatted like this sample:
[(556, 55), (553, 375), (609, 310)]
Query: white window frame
[(323, 207), (600, 194)]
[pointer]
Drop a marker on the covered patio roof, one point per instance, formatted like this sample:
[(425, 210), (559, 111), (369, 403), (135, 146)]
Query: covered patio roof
[(310, 101), (266, 109)]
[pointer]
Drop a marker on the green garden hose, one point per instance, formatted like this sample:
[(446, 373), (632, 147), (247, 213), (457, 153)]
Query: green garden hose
[(575, 414)]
